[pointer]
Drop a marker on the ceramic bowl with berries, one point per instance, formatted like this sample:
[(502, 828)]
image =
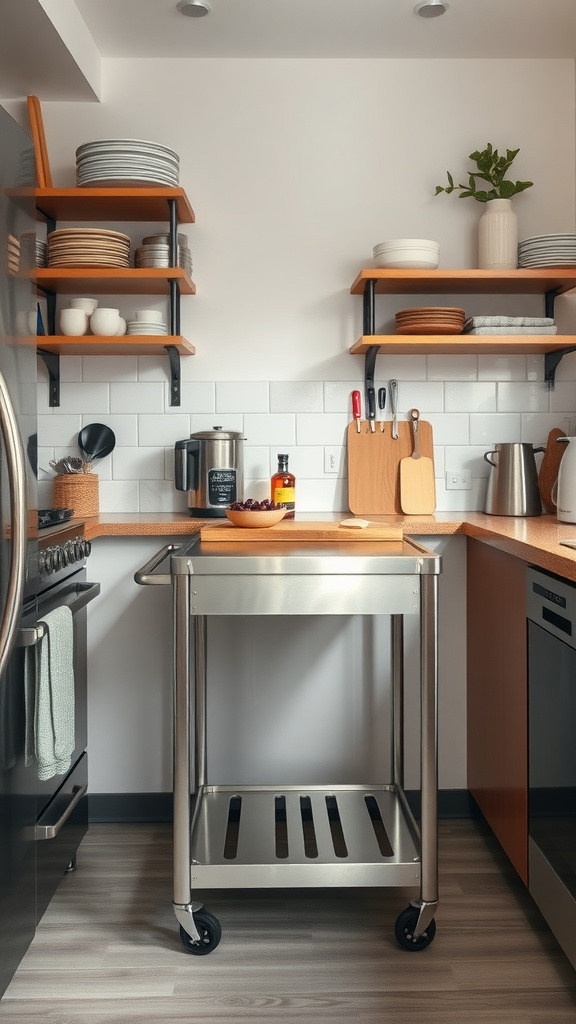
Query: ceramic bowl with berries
[(255, 514)]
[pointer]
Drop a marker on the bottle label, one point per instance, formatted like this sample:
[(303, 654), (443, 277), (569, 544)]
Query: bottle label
[(284, 496), (221, 486)]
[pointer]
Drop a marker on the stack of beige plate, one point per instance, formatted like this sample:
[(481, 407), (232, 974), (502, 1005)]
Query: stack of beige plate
[(13, 254), (88, 247), (430, 320)]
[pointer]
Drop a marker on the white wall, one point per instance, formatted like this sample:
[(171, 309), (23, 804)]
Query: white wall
[(296, 169)]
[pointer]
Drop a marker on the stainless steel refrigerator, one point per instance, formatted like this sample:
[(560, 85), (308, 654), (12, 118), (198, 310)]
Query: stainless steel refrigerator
[(18, 539)]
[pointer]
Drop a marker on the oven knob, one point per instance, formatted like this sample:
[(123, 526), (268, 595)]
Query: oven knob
[(68, 553), (87, 547), (49, 561), (58, 559), (42, 562)]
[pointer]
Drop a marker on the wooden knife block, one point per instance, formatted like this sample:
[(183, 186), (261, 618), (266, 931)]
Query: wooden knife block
[(374, 465)]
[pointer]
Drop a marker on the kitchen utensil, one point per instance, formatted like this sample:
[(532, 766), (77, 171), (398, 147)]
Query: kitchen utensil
[(357, 409), (417, 485), (382, 406), (394, 406), (96, 440), (69, 464), (373, 467), (290, 530), (210, 466), (513, 481), (549, 467), (371, 407), (565, 488)]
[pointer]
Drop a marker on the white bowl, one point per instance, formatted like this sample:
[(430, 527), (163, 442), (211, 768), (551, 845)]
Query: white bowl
[(88, 305), (151, 315), (400, 243), (122, 328), (412, 261), (73, 322), (105, 321)]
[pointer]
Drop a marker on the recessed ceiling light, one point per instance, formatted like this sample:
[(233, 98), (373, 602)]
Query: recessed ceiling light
[(431, 8), (194, 8)]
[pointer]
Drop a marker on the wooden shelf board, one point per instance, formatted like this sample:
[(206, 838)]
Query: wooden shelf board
[(127, 281), (462, 344), (115, 204), (98, 345), (473, 282)]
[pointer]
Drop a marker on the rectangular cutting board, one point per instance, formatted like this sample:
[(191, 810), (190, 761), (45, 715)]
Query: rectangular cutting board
[(373, 465), (292, 529)]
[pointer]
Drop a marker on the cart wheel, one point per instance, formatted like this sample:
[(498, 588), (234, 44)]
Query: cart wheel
[(404, 931), (210, 934)]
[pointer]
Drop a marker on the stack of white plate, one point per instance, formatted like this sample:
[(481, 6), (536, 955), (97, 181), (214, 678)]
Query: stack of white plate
[(555, 250), (407, 253), (13, 254), (146, 327), (157, 254), (88, 247), (126, 162), (34, 250)]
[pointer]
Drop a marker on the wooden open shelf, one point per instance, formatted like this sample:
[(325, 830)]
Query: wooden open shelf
[(107, 281), (472, 282), (114, 204), (462, 344), (127, 345)]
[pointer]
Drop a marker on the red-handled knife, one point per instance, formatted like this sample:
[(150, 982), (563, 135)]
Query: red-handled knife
[(357, 409)]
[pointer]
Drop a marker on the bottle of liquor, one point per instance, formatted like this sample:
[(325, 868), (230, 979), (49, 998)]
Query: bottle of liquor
[(283, 487)]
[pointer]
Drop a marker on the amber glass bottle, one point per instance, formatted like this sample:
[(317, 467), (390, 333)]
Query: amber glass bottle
[(283, 487)]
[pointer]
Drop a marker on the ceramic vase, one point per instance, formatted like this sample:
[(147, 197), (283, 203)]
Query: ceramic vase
[(498, 236)]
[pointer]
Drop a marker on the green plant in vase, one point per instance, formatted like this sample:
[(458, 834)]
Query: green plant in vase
[(491, 169)]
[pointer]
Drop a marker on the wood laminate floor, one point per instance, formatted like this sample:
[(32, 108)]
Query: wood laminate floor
[(107, 949)]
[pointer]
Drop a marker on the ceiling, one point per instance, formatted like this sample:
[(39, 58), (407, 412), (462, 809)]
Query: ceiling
[(333, 28), (54, 48)]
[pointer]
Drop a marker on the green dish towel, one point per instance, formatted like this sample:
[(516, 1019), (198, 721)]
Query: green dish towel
[(54, 718)]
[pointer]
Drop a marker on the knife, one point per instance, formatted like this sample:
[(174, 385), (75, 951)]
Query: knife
[(394, 406), (371, 407), (357, 409), (382, 406)]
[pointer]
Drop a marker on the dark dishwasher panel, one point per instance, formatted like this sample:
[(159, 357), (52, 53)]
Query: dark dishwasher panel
[(59, 831)]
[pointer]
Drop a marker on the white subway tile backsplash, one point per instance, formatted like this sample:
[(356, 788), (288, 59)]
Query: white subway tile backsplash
[(107, 368), (242, 396), (58, 430), (303, 460), (270, 428), (257, 463), (502, 367), (450, 428), (156, 368), (394, 367), (161, 496), (138, 464), (157, 430), (535, 367), (338, 394), (117, 496), (85, 398), (327, 495), (423, 395), (296, 396), (537, 426), (318, 429), (125, 427), (494, 428), (207, 421), (467, 396), (563, 396), (461, 501), (449, 367), (466, 458), (138, 398), (195, 397), (566, 369), (71, 370), (256, 487), (522, 397)]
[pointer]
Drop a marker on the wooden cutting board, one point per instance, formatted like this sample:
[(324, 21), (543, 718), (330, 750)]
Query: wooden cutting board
[(374, 465), (292, 529), (549, 468), (417, 485)]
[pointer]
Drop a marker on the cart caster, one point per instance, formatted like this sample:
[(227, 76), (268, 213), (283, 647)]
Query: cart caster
[(210, 934), (404, 931)]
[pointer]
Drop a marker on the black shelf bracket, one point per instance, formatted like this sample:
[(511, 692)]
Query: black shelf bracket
[(52, 361), (174, 359), (551, 362), (549, 300), (368, 300)]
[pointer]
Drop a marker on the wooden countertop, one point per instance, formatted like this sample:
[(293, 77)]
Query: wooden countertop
[(535, 539)]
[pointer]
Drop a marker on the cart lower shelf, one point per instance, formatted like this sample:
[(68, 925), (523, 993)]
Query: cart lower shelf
[(255, 837)]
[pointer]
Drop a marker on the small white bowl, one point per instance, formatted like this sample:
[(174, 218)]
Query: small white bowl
[(151, 315), (89, 305), (122, 329), (414, 262), (73, 322), (105, 321)]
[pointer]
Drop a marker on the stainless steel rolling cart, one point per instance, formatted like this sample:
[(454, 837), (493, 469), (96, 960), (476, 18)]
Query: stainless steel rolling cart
[(289, 836)]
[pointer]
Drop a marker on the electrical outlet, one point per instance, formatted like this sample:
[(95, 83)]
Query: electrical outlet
[(332, 456), (458, 481)]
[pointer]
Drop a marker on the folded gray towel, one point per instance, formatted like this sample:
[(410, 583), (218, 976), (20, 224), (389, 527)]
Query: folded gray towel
[(55, 711), (508, 321), (513, 330)]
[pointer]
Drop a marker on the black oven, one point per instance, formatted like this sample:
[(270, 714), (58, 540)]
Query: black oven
[(61, 801), (551, 615)]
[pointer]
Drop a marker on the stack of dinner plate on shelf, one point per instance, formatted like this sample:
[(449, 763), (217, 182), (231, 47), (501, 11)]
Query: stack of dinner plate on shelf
[(155, 252), (88, 247), (430, 320), (33, 250), (13, 254), (146, 327), (556, 250), (126, 162)]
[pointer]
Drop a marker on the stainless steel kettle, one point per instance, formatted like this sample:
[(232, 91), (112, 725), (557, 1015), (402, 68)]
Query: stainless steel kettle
[(210, 466), (513, 481)]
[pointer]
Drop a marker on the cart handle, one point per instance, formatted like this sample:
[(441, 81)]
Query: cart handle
[(146, 576)]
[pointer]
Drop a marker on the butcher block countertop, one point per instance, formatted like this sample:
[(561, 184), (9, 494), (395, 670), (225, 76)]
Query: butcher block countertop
[(535, 540)]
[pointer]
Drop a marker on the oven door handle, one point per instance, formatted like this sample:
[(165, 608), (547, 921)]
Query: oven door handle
[(146, 576), (18, 526), (29, 636), (51, 831), (75, 597)]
